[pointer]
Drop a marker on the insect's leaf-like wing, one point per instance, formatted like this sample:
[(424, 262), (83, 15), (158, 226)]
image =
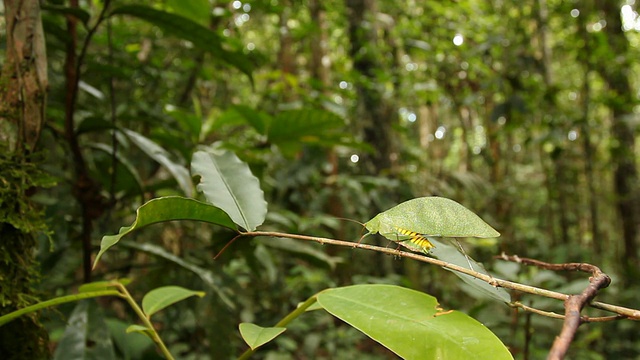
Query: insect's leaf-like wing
[(436, 216), (445, 251)]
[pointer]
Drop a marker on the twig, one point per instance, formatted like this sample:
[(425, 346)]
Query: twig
[(632, 314), (573, 304)]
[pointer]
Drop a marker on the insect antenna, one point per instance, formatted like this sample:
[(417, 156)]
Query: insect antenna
[(357, 222), (347, 219)]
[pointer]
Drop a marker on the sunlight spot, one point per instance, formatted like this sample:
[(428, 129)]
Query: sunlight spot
[(440, 132), (477, 150), (251, 46), (575, 13), (458, 40), (517, 148), (246, 7), (354, 158), (326, 61), (412, 117), (237, 4), (573, 135), (629, 18), (572, 95), (343, 85)]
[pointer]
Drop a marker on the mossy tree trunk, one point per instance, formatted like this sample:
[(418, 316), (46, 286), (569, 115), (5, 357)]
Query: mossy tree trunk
[(23, 84)]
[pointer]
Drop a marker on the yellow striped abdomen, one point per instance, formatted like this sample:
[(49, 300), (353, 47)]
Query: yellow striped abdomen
[(416, 238)]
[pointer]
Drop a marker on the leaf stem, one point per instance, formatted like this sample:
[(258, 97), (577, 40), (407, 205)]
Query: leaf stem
[(56, 301), (146, 320)]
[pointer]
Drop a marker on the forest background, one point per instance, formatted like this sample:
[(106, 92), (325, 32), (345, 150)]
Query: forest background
[(526, 114)]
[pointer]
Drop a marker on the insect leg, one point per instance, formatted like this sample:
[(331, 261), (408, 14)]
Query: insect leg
[(464, 253)]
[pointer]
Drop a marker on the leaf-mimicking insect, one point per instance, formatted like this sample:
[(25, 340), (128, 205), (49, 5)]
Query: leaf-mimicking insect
[(417, 219)]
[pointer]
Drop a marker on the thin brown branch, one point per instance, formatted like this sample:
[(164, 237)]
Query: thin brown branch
[(85, 190), (632, 314), (584, 319), (574, 303)]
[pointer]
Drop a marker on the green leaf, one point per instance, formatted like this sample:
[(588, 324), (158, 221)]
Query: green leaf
[(187, 29), (138, 329), (127, 178), (78, 13), (157, 153), (158, 299), (408, 323), (256, 336), (167, 209), (228, 183), (430, 216), (290, 129), (196, 10), (258, 120), (303, 250), (102, 285), (132, 346), (451, 254), (206, 275), (86, 335), (188, 121)]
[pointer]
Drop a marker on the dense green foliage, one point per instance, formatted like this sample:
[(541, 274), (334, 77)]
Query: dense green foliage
[(337, 109)]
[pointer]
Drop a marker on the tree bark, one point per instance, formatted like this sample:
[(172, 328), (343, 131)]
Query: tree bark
[(23, 85), (374, 112), (623, 145)]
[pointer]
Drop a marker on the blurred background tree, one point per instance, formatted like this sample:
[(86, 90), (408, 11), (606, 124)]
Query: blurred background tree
[(526, 114)]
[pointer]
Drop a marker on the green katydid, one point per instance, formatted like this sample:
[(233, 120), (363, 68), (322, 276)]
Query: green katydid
[(415, 220), (415, 223)]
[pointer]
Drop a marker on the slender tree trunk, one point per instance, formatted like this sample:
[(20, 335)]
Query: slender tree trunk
[(596, 241), (374, 113), (319, 66), (626, 178), (286, 55), (23, 85)]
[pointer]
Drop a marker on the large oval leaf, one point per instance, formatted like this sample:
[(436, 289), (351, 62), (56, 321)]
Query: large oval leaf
[(167, 209), (408, 323), (158, 299), (201, 37), (430, 216), (228, 183)]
